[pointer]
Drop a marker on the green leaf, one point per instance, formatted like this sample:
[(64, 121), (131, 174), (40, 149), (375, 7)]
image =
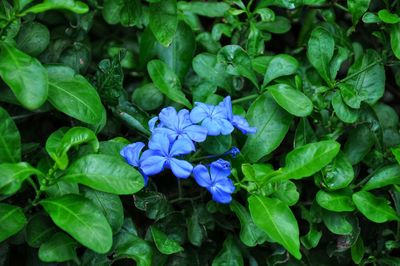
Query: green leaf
[(367, 77), (167, 82), (272, 123), (339, 173), (59, 248), (195, 232), (148, 97), (73, 95), (395, 40), (338, 201), (343, 112), (217, 144), (12, 220), (25, 76), (358, 250), (320, 50), (13, 175), (163, 243), (250, 234), (105, 173), (339, 223), (61, 141), (306, 160), (10, 139), (349, 95), (357, 8), (279, 26), (163, 20), (387, 175), (207, 9), (229, 255), (38, 230), (290, 99), (287, 192), (375, 209), (358, 144), (70, 5), (33, 38), (388, 17), (277, 220), (80, 218), (179, 54), (280, 65), (127, 12), (110, 205)]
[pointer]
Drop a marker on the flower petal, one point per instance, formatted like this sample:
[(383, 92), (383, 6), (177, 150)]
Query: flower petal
[(181, 146), (199, 112), (196, 133), (181, 168), (225, 185), (152, 123), (172, 135), (226, 104), (183, 119), (131, 153), (226, 127), (202, 176), (169, 117), (220, 196), (242, 124), (159, 142), (212, 126), (153, 165), (220, 170)]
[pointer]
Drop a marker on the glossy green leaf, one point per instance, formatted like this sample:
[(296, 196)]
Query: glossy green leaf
[(217, 144), (357, 8), (286, 191), (375, 209), (163, 20), (387, 175), (272, 123), (280, 65), (395, 40), (38, 230), (229, 255), (277, 220), (358, 250), (320, 52), (59, 248), (73, 95), (279, 26), (250, 234), (339, 223), (163, 243), (207, 9), (306, 160), (358, 144), (10, 139), (387, 17), (105, 173), (110, 205), (13, 175), (12, 220), (33, 38), (349, 95), (292, 100), (167, 82), (338, 201), (343, 112), (70, 5), (339, 173), (127, 12), (25, 76), (80, 218)]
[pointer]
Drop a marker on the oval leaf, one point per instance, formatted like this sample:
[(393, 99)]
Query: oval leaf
[(12, 220), (59, 248), (163, 243), (388, 175), (335, 201), (280, 65), (164, 20), (10, 139)]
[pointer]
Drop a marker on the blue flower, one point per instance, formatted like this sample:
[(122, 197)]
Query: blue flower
[(131, 154), (213, 118), (161, 154), (236, 120), (177, 125), (216, 180)]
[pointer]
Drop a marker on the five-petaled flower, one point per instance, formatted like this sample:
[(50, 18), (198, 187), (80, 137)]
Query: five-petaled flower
[(216, 181), (131, 154), (161, 154)]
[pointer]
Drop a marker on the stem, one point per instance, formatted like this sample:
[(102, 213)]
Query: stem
[(340, 7), (246, 98), (359, 72)]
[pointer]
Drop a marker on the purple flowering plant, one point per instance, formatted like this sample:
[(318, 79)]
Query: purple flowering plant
[(175, 135)]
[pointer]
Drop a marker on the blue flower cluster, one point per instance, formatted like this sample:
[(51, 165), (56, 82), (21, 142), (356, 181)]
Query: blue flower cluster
[(174, 134)]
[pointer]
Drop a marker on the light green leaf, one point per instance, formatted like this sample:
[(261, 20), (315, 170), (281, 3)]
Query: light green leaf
[(277, 220), (207, 9), (395, 40), (163, 243), (320, 50), (167, 82), (163, 20), (59, 248), (358, 250), (290, 99), (387, 175), (105, 173), (272, 123), (338, 201), (339, 223), (375, 209), (12, 220), (306, 160), (73, 95), (70, 5), (25, 76), (343, 112), (339, 173), (387, 17), (10, 139), (357, 8), (13, 175), (80, 218), (280, 65)]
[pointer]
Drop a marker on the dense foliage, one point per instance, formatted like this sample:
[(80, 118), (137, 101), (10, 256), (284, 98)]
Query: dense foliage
[(117, 140)]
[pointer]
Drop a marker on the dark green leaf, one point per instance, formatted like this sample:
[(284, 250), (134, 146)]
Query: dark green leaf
[(12, 220), (358, 250), (229, 255), (357, 8), (10, 140), (395, 40), (59, 248), (388, 175), (33, 38), (38, 230), (163, 20), (218, 144), (280, 65), (340, 223), (358, 144), (163, 243), (207, 9)]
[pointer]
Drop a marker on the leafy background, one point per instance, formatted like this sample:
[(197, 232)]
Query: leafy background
[(316, 185)]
